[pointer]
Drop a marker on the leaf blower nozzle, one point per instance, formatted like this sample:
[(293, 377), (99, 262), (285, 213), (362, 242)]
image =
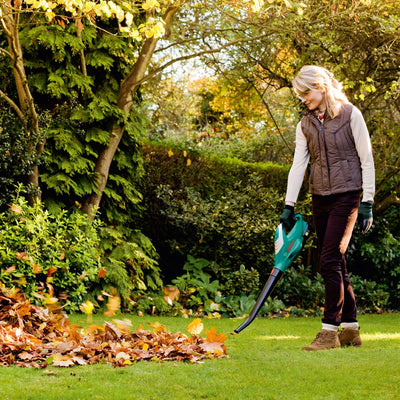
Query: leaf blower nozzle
[(287, 247)]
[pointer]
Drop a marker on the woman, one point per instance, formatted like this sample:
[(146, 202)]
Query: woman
[(333, 136)]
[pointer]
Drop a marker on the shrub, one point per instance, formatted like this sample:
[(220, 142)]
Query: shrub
[(197, 286), (239, 306), (136, 252), (301, 288), (60, 255), (370, 296), (206, 290), (130, 261), (233, 229), (154, 303), (48, 255), (240, 281), (209, 174), (17, 158)]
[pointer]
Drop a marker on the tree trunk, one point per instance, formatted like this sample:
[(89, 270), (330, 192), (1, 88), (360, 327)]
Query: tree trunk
[(125, 102), (26, 110), (388, 201)]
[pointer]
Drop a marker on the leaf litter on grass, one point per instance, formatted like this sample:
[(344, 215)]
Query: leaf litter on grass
[(33, 336)]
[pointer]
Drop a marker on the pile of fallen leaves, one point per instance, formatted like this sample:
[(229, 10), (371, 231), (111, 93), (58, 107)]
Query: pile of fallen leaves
[(32, 336)]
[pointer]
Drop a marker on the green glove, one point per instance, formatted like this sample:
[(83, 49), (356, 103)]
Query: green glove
[(287, 217), (365, 217)]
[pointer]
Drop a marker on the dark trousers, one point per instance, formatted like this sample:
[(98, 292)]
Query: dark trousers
[(334, 219)]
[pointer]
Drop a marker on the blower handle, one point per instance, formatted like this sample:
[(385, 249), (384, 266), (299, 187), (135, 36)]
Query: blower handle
[(287, 248), (273, 279)]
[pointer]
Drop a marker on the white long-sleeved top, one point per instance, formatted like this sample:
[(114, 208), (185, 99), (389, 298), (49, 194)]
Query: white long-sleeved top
[(364, 150)]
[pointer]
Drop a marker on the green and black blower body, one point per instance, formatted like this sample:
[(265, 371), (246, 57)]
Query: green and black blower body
[(287, 247)]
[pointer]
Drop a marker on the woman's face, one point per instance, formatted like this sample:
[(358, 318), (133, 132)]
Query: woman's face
[(314, 99)]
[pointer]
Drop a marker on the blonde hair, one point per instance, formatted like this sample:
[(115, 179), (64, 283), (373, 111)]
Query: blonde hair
[(314, 77)]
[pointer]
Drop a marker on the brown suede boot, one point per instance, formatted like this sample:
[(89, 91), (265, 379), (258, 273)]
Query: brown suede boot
[(325, 340), (350, 337)]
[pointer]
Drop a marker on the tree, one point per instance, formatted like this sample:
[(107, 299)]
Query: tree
[(222, 112), (125, 102), (152, 28)]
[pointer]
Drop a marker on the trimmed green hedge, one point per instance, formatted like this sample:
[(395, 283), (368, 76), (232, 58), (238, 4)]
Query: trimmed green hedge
[(210, 174)]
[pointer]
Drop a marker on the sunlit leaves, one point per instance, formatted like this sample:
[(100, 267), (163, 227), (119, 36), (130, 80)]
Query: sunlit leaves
[(62, 11), (151, 5), (153, 28), (125, 13)]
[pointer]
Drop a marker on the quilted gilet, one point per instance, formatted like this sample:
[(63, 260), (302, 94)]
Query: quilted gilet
[(335, 165)]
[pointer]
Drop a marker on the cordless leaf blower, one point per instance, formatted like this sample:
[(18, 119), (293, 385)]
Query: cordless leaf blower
[(287, 248)]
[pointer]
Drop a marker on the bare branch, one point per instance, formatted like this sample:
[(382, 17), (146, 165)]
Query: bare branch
[(199, 54), (5, 51), (15, 107), (195, 39), (270, 113)]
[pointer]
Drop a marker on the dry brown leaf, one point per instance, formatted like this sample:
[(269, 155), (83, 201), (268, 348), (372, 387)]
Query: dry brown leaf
[(113, 305), (172, 292), (213, 347), (51, 271), (195, 327), (49, 372), (101, 273), (64, 363), (36, 269), (16, 209), (157, 327), (212, 336)]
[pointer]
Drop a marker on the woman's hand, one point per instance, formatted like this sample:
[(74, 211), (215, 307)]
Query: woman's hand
[(365, 217), (287, 217)]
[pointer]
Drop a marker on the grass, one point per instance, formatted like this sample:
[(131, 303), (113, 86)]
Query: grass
[(266, 362)]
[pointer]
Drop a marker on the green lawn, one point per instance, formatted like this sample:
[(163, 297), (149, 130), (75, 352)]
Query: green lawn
[(265, 362)]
